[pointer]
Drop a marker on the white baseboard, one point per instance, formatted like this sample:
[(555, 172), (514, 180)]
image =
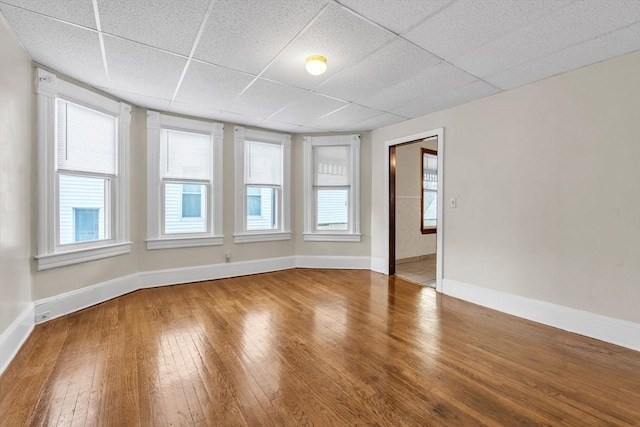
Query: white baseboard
[(379, 265), (15, 335), (79, 299), (150, 279), (608, 329), (338, 262)]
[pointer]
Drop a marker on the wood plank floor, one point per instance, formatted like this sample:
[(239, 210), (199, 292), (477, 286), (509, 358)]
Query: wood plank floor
[(312, 347)]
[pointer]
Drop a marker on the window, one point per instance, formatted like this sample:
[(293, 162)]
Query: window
[(262, 161), (184, 182), (83, 194), (429, 211), (332, 188), (192, 203)]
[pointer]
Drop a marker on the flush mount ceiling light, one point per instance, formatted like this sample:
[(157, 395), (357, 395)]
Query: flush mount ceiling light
[(316, 65)]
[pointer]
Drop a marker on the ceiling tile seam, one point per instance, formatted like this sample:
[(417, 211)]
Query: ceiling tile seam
[(531, 60), (203, 24), (331, 112), (62, 21), (431, 15), (103, 52), (295, 37), (15, 36)]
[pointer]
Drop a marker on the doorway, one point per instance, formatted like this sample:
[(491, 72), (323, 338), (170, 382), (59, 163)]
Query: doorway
[(415, 196)]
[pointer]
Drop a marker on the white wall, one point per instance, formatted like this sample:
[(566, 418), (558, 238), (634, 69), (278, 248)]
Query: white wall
[(547, 178), (410, 242), (16, 177)]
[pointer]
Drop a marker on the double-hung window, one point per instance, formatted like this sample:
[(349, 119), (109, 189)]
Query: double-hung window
[(83, 148), (332, 188), (262, 161), (184, 166)]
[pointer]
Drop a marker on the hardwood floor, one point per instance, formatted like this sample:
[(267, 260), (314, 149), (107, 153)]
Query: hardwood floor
[(312, 347)]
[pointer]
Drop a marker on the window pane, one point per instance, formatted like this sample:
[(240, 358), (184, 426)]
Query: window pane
[(185, 208), (332, 209), (85, 139), (263, 163), (79, 199), (430, 208), (261, 208)]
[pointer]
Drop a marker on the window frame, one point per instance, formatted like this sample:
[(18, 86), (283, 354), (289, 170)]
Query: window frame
[(352, 234), (49, 253), (423, 229), (283, 210), (156, 236)]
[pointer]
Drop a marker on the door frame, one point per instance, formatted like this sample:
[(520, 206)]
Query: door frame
[(389, 199)]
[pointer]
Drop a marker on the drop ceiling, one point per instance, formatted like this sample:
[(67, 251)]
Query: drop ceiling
[(242, 61)]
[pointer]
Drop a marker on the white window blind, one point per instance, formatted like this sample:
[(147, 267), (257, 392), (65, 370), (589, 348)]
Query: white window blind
[(86, 139), (185, 155), (263, 163), (331, 166)]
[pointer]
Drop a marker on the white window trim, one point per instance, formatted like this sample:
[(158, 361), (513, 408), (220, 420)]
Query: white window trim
[(49, 255), (241, 235), (155, 238), (353, 233)]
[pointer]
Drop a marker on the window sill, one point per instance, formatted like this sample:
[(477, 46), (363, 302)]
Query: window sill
[(261, 237), (332, 237), (60, 259), (184, 242)]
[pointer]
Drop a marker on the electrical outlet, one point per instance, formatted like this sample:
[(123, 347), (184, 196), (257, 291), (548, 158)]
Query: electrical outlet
[(453, 202), (43, 317), (227, 257)]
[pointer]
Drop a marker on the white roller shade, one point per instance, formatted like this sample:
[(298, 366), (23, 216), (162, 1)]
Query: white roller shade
[(263, 163), (185, 155), (331, 166), (85, 139)]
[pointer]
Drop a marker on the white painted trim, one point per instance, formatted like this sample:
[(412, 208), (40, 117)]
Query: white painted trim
[(174, 276), (379, 265), (155, 238), (188, 242), (353, 143), (261, 237), (604, 328), (334, 262), (241, 135), (15, 336), (46, 262), (48, 253), (439, 133), (88, 296), (331, 237)]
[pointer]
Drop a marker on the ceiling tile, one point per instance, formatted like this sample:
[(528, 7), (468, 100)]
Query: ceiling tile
[(246, 35), (429, 83), (75, 11), (211, 86), (613, 44), (306, 129), (461, 95), (338, 34), (394, 63), (142, 70), (384, 119), (198, 111), (264, 97), (81, 57), (393, 15), (573, 24), (164, 24), (468, 24), (307, 109), (345, 117)]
